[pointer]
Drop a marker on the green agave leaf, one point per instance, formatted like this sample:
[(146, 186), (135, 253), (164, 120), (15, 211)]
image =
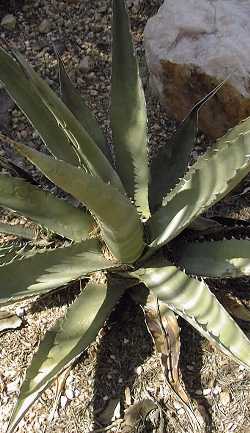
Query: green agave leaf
[(11, 251), (128, 112), (91, 157), (44, 208), (117, 217), (201, 224), (213, 176), (77, 106), (27, 98), (171, 162), (193, 300), (18, 230), (66, 341), (44, 271), (219, 259)]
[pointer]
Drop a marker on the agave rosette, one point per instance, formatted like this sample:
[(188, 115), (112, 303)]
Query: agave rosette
[(139, 216)]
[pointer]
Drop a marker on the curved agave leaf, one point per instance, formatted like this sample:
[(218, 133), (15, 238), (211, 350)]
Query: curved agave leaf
[(11, 251), (121, 227), (128, 112), (66, 341), (44, 208), (193, 300), (171, 162), (44, 271), (213, 176), (77, 106), (18, 230), (201, 224), (91, 157), (219, 259), (27, 98)]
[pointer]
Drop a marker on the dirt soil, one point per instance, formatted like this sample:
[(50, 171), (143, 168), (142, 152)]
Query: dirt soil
[(122, 364)]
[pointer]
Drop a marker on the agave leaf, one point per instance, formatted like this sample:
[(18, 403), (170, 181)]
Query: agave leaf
[(18, 230), (208, 225), (171, 162), (91, 157), (117, 217), (76, 104), (219, 259), (66, 341), (27, 98), (43, 271), (13, 251), (44, 208), (213, 176), (128, 112), (193, 300)]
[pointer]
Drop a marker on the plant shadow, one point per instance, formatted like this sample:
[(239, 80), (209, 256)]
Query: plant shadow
[(191, 364), (125, 345)]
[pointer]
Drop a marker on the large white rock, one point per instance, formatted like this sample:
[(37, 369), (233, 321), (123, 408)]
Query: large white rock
[(191, 46)]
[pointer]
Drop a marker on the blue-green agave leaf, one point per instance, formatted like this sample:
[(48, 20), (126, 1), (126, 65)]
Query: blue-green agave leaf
[(213, 176), (45, 209), (18, 230), (171, 162), (217, 259), (128, 112), (193, 300), (42, 271), (77, 106), (65, 342), (29, 101), (90, 156), (120, 225)]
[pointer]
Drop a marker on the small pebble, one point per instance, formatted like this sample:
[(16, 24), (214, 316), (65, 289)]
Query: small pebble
[(225, 398), (63, 401), (69, 393), (12, 386), (177, 405), (216, 390), (138, 370), (84, 64), (9, 22), (44, 27)]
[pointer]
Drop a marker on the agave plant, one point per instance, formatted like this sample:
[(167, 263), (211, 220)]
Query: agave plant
[(129, 221)]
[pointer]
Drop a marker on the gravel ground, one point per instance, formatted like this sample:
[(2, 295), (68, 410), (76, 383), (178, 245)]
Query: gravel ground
[(122, 362)]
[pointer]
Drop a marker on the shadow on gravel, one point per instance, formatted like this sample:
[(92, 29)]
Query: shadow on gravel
[(125, 345), (191, 365)]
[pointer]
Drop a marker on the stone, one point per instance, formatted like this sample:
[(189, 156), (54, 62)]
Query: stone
[(84, 64), (191, 47), (9, 22), (44, 27), (225, 398)]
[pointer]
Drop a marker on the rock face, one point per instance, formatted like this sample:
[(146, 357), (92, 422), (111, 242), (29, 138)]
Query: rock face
[(193, 45)]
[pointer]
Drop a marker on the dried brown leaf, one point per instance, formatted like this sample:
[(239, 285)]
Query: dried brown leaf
[(164, 329), (236, 307)]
